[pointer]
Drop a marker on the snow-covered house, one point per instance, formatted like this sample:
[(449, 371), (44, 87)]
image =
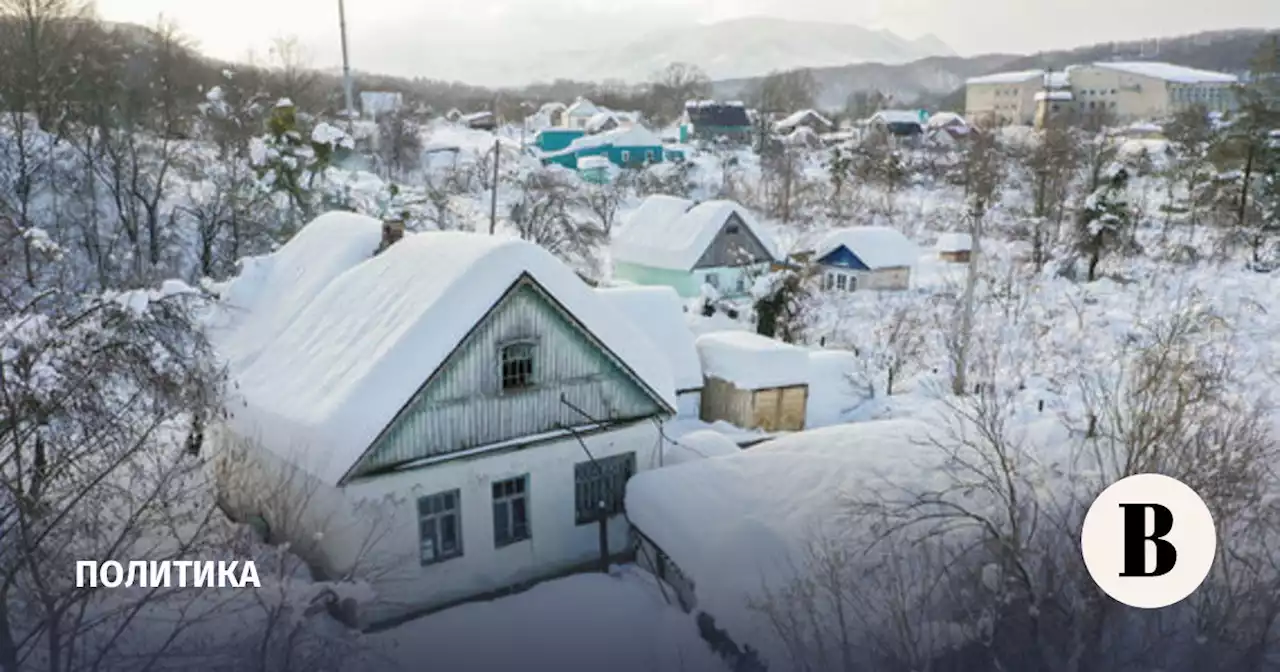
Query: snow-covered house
[(627, 147), (580, 113), (897, 123), (806, 118), (549, 115), (686, 245), (955, 247), (753, 382), (947, 127), (865, 257), (709, 120), (481, 121), (601, 122), (659, 314), (445, 414)]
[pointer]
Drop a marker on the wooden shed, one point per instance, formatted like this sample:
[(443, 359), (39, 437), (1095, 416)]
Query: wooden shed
[(956, 248), (753, 382)]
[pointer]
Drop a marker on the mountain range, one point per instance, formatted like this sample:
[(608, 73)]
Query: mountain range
[(737, 48)]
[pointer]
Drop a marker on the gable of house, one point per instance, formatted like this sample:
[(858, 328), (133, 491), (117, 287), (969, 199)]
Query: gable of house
[(843, 257), (735, 244), (474, 399)]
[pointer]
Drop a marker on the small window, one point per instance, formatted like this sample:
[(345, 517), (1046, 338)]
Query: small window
[(510, 511), (853, 283), (440, 527), (626, 156), (841, 282), (713, 280), (648, 155), (829, 282), (1113, 104), (731, 229), (517, 366), (604, 480)]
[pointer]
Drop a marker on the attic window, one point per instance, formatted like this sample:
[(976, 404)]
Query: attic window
[(517, 366), (731, 229)]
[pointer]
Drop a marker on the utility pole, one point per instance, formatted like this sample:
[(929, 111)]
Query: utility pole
[(346, 63)]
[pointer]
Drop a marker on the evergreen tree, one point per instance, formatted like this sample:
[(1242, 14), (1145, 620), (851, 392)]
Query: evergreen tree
[(1250, 147), (1105, 219), (289, 163)]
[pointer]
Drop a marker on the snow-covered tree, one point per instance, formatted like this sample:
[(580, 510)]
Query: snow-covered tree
[(1103, 223), (290, 160)]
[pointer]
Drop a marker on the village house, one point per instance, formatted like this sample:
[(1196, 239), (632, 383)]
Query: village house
[(901, 124), (579, 114), (709, 120), (864, 258), (446, 415), (753, 382), (480, 121), (804, 118), (686, 245), (956, 248), (626, 147)]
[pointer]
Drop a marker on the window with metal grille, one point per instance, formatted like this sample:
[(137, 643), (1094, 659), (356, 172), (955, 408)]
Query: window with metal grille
[(517, 366), (440, 526), (511, 511), (602, 480)]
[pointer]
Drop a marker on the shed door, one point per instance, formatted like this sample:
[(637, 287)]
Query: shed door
[(791, 411), (766, 409)]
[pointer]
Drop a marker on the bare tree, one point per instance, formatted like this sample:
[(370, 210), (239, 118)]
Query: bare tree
[(984, 171), (785, 92), (677, 84), (399, 143), (544, 215)]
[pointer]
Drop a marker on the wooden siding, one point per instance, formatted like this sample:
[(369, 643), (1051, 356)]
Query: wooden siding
[(464, 406), (777, 409), (734, 249)]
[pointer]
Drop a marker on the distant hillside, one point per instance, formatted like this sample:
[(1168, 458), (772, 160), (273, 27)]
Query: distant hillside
[(939, 82)]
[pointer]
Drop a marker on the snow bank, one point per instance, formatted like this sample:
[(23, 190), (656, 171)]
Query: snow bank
[(751, 361), (1170, 72), (658, 313), (699, 445), (739, 523), (618, 622), (955, 242), (340, 358), (877, 246), (673, 233), (831, 392)]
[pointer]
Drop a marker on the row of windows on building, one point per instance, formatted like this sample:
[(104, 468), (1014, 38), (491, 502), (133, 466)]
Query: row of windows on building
[(1184, 94), (599, 488), (841, 281)]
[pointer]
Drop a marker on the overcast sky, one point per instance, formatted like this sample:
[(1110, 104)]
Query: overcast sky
[(231, 28)]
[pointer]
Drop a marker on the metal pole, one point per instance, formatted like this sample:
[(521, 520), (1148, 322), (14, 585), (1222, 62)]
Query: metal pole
[(346, 61), (493, 197)]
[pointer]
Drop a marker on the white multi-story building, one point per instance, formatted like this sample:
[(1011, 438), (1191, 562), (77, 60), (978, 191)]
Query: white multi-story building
[(1124, 91)]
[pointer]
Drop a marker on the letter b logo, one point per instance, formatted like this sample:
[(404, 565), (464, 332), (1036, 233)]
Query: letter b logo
[(1148, 541)]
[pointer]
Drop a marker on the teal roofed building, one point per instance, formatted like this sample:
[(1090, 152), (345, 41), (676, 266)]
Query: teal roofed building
[(632, 147), (556, 139)]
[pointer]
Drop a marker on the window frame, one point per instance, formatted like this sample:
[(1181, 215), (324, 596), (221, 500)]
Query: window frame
[(530, 377), (506, 501), (626, 156), (829, 282), (617, 470), (427, 514), (853, 283), (842, 281), (712, 279)]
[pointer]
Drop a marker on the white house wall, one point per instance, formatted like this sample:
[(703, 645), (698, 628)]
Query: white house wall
[(689, 404), (883, 279), (557, 543)]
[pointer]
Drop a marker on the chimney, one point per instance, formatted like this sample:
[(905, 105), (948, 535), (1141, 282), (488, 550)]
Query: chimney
[(392, 232)]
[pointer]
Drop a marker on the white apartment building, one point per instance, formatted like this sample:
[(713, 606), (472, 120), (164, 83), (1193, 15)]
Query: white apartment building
[(1125, 91)]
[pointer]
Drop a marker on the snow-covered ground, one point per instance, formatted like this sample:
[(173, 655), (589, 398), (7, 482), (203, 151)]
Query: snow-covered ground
[(620, 621)]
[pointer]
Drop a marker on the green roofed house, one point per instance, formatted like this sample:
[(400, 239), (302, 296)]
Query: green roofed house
[(630, 147), (555, 139), (685, 245), (709, 120)]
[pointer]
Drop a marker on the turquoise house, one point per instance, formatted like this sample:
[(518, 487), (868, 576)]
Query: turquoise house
[(687, 245), (556, 139), (632, 147)]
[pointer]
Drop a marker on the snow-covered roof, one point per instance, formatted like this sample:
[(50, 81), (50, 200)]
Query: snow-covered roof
[(1054, 95), (896, 117), (477, 116), (698, 445), (345, 340), (1006, 77), (943, 119), (1170, 72), (673, 233), (658, 313), (628, 136), (583, 108), (553, 106), (797, 118), (877, 246), (955, 242), (751, 361), (599, 120)]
